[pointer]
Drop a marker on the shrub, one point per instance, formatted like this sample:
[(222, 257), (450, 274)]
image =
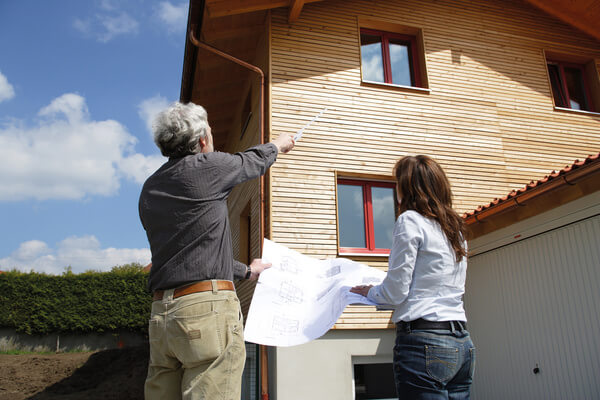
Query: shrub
[(36, 303)]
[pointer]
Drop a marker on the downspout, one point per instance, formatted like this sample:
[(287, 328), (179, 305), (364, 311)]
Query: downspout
[(197, 43)]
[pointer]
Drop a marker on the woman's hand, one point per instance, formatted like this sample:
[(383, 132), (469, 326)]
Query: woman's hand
[(363, 290)]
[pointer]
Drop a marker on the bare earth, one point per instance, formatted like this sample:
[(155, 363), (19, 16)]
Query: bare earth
[(116, 374)]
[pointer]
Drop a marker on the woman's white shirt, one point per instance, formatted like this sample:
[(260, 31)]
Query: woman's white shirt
[(423, 279)]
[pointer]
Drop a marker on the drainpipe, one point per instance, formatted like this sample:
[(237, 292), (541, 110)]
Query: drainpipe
[(261, 124)]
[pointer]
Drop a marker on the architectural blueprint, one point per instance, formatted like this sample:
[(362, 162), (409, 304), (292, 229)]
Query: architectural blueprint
[(299, 298)]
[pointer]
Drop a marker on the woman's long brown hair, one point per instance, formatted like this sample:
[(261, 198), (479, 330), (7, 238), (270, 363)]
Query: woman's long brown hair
[(423, 187)]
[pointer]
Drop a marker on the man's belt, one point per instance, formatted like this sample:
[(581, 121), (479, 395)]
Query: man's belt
[(202, 286)]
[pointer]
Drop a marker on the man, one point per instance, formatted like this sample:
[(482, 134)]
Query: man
[(196, 333)]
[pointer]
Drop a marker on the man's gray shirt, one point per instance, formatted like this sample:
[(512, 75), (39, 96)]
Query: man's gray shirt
[(183, 208)]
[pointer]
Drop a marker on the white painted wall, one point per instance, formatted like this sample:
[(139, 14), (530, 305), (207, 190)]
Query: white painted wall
[(323, 368), (534, 301)]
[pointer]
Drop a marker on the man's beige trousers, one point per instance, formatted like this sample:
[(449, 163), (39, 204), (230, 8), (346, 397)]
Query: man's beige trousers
[(196, 347)]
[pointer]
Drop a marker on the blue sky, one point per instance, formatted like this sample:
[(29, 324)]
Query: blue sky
[(79, 84)]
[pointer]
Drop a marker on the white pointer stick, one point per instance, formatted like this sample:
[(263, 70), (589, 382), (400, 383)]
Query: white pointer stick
[(298, 134)]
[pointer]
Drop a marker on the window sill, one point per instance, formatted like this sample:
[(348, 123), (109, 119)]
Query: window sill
[(571, 110), (397, 87), (344, 253)]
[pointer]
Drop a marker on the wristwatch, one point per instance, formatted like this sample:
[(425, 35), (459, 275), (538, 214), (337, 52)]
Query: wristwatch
[(248, 272)]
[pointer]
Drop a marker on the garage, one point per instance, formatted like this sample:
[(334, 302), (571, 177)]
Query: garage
[(532, 301)]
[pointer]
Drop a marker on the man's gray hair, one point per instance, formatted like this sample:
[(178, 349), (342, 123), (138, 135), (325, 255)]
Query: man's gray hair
[(178, 129)]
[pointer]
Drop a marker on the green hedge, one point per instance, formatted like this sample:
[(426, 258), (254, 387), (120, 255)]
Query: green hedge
[(39, 304)]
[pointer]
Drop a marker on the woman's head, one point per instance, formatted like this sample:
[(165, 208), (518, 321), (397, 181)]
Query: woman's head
[(179, 128), (422, 186)]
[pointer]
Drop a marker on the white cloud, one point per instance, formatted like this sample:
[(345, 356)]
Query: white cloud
[(106, 27), (138, 167), (7, 91), (68, 155), (117, 25), (173, 16), (83, 26), (81, 253), (148, 109), (108, 5)]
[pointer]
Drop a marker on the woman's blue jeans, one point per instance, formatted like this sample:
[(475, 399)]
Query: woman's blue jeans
[(433, 364)]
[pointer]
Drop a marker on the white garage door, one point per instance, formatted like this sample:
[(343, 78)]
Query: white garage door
[(534, 313)]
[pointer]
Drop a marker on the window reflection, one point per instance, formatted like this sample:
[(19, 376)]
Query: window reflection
[(351, 216), (383, 216), (400, 63), (371, 57)]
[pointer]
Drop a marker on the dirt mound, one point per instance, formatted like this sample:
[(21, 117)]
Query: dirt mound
[(116, 374)]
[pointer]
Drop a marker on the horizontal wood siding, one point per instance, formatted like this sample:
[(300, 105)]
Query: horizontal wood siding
[(488, 116)]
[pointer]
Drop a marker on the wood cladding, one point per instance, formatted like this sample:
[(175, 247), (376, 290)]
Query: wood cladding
[(488, 116)]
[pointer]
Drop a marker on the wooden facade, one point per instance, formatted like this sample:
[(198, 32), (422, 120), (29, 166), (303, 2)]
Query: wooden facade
[(486, 112), (487, 116)]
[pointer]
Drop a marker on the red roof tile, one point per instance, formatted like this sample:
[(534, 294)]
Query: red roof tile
[(535, 184)]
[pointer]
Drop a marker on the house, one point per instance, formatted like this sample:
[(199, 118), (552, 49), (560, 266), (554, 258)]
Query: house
[(500, 92)]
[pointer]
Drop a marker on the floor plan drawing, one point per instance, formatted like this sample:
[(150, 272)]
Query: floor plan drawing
[(300, 298)]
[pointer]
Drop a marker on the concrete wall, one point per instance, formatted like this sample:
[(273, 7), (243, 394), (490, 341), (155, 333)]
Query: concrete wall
[(323, 368)]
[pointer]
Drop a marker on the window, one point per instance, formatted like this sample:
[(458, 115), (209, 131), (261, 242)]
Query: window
[(246, 114), (374, 381), (250, 378), (245, 255), (569, 86), (366, 216), (388, 57), (574, 81)]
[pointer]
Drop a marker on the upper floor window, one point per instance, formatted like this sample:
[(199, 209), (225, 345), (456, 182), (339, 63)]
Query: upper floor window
[(366, 216), (569, 86), (388, 57)]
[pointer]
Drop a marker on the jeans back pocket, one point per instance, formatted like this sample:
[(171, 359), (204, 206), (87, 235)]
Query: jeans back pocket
[(198, 339), (441, 362)]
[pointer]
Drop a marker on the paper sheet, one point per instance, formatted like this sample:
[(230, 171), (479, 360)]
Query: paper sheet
[(299, 298)]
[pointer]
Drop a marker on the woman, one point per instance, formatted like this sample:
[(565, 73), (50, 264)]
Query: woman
[(434, 356)]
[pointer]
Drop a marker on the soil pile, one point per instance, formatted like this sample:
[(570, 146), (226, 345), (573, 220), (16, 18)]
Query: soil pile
[(116, 374)]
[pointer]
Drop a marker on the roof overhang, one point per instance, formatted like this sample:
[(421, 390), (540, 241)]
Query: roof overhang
[(582, 14), (234, 27), (558, 188)]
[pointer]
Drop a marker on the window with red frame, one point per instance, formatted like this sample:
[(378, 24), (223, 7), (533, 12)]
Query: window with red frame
[(569, 86), (366, 216), (389, 58)]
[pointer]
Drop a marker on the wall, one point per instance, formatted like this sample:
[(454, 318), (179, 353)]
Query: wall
[(298, 379), (248, 193), (487, 116)]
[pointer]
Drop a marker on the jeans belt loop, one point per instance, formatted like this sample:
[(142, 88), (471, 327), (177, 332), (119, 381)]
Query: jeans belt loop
[(215, 286), (168, 295), (452, 327)]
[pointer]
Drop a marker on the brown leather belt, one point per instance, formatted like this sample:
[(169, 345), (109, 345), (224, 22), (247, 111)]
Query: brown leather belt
[(202, 286)]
